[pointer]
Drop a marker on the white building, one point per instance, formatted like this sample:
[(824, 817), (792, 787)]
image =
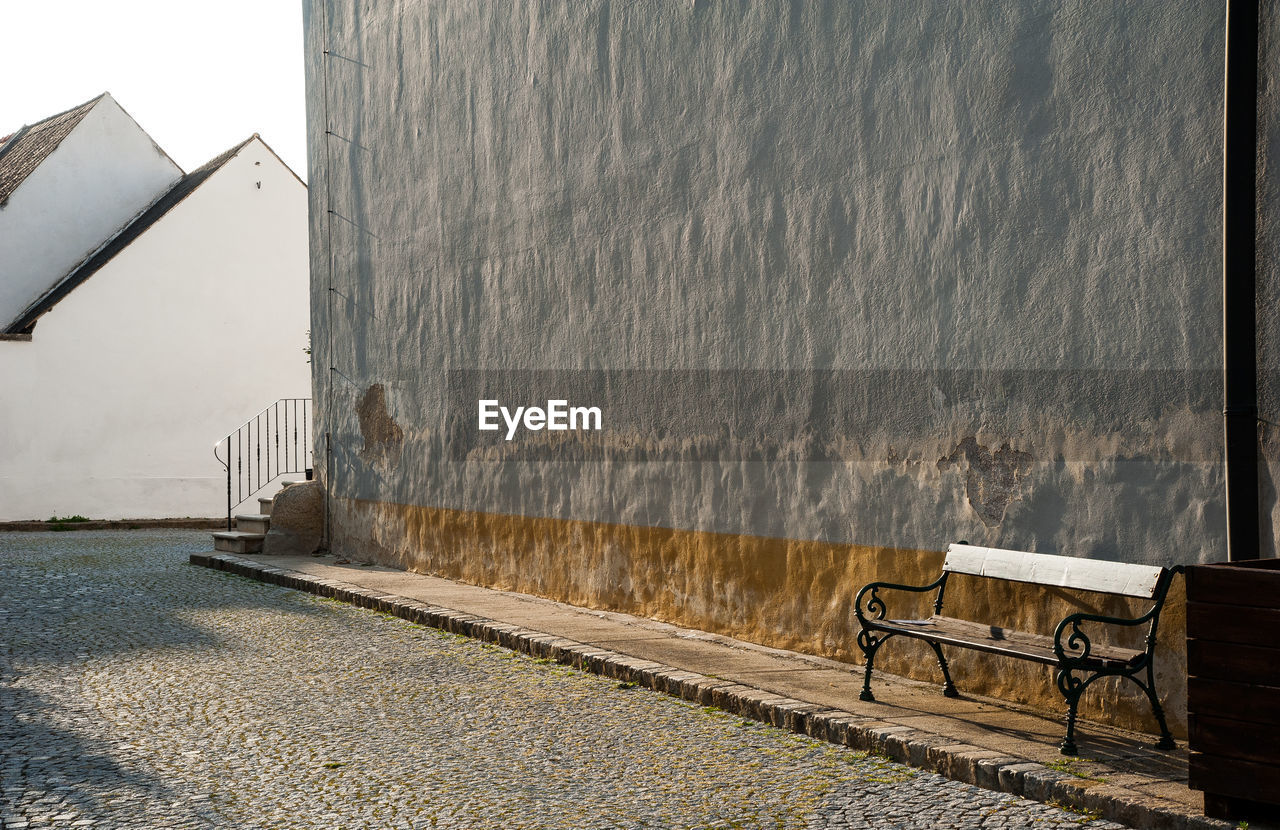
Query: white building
[(144, 313)]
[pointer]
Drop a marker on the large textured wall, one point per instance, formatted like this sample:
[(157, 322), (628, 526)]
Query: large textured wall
[(1268, 285), (848, 281)]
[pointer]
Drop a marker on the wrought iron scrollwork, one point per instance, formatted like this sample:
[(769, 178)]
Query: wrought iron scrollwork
[(875, 608), (1070, 685), (1077, 647), (870, 609)]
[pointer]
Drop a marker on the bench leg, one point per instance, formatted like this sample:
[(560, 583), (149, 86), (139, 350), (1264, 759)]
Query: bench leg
[(1166, 739), (869, 645), (1071, 687), (948, 688)]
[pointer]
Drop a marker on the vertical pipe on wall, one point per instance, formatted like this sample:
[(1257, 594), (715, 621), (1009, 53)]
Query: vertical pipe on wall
[(1239, 352)]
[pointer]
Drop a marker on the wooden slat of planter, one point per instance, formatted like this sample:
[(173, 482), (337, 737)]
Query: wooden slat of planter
[(1234, 662), (1260, 704), (1229, 776), (1237, 739), (1244, 625), (1233, 586)]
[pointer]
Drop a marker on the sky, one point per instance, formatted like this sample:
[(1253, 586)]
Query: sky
[(198, 77)]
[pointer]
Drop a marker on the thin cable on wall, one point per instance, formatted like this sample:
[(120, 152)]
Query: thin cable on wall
[(328, 224)]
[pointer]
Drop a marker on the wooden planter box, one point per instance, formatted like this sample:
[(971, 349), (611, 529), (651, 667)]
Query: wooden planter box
[(1233, 689)]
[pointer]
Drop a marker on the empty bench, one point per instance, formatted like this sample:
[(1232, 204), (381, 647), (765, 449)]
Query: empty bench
[(1072, 650)]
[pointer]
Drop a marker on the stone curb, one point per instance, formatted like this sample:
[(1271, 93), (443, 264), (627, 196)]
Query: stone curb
[(934, 753)]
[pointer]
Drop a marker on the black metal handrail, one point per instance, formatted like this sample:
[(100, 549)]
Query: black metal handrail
[(261, 454)]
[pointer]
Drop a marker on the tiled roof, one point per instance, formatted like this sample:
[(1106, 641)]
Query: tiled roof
[(31, 145), (181, 190)]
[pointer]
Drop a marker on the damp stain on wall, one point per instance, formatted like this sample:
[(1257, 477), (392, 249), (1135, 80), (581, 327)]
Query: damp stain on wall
[(383, 437)]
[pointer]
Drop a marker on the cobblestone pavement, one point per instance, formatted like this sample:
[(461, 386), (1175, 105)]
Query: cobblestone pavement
[(137, 691)]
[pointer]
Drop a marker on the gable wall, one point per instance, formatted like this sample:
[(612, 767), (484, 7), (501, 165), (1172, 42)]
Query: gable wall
[(185, 334), (105, 172)]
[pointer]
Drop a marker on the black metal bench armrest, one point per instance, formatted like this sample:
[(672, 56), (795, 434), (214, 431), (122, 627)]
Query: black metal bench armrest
[(1076, 646), (875, 608), (1072, 645)]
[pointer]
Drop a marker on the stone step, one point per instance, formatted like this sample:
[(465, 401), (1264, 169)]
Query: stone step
[(236, 541), (253, 522), (288, 483), (264, 505)]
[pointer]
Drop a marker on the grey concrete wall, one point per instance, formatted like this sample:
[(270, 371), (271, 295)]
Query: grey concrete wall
[(1269, 283), (883, 273)]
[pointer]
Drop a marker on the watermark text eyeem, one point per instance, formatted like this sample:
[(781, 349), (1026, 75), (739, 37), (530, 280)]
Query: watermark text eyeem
[(557, 416)]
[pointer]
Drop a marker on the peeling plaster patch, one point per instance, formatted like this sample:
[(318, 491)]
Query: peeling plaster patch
[(383, 437), (991, 479)]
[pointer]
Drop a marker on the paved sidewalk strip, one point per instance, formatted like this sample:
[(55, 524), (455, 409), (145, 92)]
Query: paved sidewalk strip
[(970, 740)]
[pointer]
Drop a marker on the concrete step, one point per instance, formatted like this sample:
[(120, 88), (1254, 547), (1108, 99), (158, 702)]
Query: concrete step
[(287, 483), (264, 505), (253, 522), (236, 541)]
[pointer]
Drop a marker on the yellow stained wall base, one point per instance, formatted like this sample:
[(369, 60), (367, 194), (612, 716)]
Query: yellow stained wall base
[(785, 593)]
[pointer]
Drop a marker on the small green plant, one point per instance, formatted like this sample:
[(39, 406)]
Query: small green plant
[(626, 685), (1086, 816), (333, 764), (1068, 765)]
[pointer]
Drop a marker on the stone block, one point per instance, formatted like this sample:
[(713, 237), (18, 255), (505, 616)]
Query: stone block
[(297, 521)]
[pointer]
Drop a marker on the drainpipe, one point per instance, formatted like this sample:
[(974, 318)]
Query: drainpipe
[(1239, 352)]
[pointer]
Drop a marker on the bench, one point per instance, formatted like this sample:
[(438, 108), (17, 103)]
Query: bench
[(1078, 659)]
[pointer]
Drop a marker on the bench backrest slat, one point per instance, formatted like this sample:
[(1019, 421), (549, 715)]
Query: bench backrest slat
[(1059, 571)]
